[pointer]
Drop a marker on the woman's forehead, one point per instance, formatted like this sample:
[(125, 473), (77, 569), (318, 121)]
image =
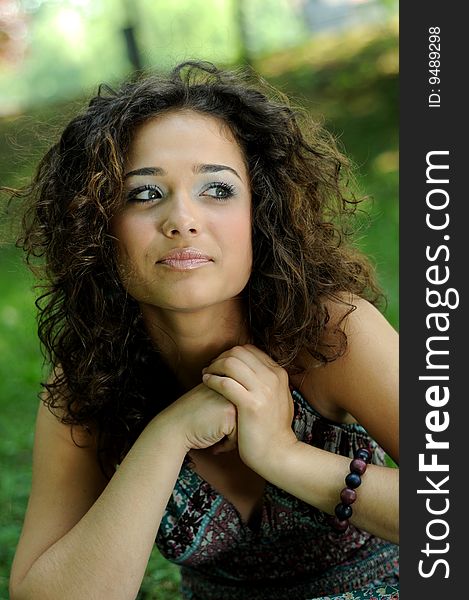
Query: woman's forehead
[(184, 120), (184, 134)]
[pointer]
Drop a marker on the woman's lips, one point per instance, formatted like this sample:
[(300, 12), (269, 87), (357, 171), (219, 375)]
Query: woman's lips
[(183, 264), (183, 259)]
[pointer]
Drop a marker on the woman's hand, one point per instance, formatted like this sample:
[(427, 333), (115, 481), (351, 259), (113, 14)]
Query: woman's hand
[(259, 389), (203, 417)]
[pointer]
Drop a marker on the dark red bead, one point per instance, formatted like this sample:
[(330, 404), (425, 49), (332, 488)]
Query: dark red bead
[(358, 466), (343, 511), (363, 454), (348, 496), (340, 526), (353, 480)]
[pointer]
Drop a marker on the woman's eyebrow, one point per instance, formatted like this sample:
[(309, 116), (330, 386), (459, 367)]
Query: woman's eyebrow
[(146, 171), (204, 168)]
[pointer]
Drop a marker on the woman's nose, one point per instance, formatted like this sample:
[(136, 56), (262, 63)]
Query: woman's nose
[(182, 218)]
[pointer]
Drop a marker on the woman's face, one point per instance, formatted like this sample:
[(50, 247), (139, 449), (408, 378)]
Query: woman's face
[(184, 232)]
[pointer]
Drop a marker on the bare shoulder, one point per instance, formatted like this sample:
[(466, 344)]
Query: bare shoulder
[(66, 481), (361, 385)]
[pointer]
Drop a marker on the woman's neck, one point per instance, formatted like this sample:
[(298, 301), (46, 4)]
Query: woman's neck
[(189, 341)]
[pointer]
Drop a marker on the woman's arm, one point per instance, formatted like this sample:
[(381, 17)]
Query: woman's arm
[(83, 539), (363, 383), (365, 380), (317, 477)]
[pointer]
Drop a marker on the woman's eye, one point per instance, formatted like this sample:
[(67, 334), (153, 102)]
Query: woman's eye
[(219, 190), (145, 193)]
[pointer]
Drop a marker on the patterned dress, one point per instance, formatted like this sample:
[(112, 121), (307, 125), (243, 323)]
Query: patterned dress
[(291, 553)]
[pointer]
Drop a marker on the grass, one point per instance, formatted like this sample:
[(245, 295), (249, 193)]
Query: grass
[(20, 372), (351, 80)]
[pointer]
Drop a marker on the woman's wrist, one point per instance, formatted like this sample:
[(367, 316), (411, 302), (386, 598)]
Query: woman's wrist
[(309, 473), (279, 459), (316, 476), (169, 431)]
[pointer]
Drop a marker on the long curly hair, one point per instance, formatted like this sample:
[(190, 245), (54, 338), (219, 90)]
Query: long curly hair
[(91, 330)]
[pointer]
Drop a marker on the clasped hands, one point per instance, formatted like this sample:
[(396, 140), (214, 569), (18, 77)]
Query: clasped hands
[(258, 387)]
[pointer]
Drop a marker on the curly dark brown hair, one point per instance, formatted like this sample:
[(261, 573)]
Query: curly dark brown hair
[(91, 329)]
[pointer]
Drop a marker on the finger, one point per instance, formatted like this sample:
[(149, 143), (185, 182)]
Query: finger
[(268, 363), (254, 357), (260, 364), (242, 354), (261, 356), (233, 367), (227, 387)]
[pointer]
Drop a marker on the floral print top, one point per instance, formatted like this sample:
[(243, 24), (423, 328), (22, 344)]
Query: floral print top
[(291, 551)]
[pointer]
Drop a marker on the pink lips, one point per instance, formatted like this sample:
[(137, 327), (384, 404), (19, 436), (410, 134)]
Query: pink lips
[(182, 259)]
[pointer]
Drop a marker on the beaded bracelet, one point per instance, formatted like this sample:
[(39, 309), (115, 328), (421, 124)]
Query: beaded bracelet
[(348, 495)]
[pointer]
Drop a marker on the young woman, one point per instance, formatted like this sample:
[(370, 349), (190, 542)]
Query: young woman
[(217, 358)]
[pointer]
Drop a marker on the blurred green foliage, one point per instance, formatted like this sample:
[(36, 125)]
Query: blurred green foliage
[(351, 81), (75, 43)]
